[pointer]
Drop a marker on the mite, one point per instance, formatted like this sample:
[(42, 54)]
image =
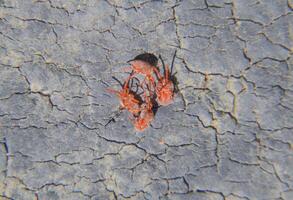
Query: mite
[(146, 115), (146, 65), (128, 99), (165, 87)]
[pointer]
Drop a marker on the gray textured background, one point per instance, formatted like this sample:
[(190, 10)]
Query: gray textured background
[(227, 136)]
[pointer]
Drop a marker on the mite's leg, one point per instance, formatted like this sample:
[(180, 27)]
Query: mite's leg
[(110, 90)]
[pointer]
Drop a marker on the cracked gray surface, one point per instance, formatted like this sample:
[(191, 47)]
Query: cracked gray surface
[(227, 136)]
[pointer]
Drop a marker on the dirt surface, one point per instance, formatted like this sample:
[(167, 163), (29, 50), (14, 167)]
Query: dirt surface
[(227, 136)]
